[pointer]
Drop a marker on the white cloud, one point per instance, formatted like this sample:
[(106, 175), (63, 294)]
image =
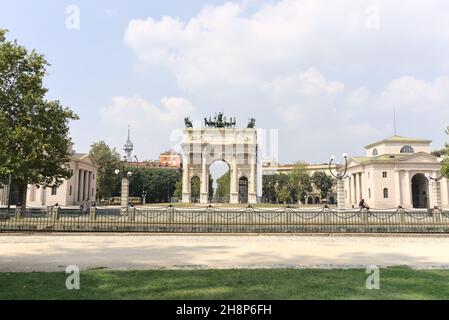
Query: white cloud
[(151, 125), (307, 64)]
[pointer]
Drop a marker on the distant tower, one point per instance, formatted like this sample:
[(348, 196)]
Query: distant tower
[(128, 147)]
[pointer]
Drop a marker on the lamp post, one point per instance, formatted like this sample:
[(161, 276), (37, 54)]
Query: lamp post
[(124, 183), (340, 181), (436, 188)]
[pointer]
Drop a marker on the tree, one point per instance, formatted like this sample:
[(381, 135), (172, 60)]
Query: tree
[(445, 164), (300, 181), (37, 142), (269, 187), (223, 187), (107, 160), (159, 183), (323, 183)]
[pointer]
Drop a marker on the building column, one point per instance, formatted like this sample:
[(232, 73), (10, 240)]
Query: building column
[(407, 203), (444, 193), (364, 192), (234, 183), (89, 186), (360, 187), (397, 185), (204, 181), (74, 197), (351, 190), (185, 181), (86, 184), (43, 196), (357, 189), (252, 192), (81, 186)]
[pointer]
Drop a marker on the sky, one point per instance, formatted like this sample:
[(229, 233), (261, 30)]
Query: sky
[(322, 77)]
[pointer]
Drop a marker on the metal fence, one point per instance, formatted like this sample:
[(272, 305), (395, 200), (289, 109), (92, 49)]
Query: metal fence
[(220, 220)]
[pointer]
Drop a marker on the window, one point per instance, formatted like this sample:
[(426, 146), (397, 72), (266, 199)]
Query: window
[(385, 193), (369, 193), (54, 191), (384, 174), (407, 149), (375, 152), (70, 192)]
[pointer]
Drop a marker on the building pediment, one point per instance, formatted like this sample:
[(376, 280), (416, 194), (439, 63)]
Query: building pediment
[(419, 157)]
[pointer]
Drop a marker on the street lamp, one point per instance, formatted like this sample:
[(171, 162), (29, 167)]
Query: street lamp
[(124, 183), (436, 179), (340, 181)]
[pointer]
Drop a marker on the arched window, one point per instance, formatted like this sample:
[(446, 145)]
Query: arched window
[(375, 152), (386, 193), (407, 149)]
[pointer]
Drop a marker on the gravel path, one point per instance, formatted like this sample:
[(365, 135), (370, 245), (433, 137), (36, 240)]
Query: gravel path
[(134, 252)]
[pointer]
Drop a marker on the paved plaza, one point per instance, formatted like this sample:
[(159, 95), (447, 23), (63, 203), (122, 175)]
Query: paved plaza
[(53, 252)]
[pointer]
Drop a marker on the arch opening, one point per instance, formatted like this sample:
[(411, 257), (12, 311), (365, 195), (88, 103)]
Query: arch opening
[(219, 182), (420, 191), (195, 189), (243, 190)]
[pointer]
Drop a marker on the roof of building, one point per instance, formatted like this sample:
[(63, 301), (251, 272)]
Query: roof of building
[(397, 138), (384, 157), (79, 155)]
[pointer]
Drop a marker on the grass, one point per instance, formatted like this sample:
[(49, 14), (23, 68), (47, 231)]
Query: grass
[(395, 283)]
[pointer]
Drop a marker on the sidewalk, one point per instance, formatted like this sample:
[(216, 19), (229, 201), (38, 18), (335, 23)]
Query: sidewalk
[(53, 252)]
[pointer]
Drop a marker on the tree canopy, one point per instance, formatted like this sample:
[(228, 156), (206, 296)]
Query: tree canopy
[(445, 164), (323, 183), (36, 143), (108, 160)]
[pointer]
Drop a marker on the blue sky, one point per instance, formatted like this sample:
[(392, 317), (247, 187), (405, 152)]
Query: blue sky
[(327, 76)]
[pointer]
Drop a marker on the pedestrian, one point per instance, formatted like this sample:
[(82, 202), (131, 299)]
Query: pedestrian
[(363, 205)]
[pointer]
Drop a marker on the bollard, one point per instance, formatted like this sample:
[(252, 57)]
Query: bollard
[(93, 214), (131, 214)]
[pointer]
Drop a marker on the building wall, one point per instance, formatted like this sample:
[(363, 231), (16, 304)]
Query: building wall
[(81, 186)]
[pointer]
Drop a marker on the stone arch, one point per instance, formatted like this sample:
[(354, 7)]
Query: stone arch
[(237, 147)]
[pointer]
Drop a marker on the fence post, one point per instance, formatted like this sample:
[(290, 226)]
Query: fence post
[(18, 213), (55, 213), (93, 214), (436, 216), (171, 214), (401, 211), (131, 214)]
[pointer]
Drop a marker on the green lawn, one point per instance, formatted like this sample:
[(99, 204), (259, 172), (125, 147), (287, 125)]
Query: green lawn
[(396, 283)]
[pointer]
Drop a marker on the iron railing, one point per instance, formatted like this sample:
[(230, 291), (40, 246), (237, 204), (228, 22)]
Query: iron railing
[(219, 220)]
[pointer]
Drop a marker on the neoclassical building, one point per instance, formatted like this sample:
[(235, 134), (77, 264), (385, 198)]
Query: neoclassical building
[(394, 172), (74, 191)]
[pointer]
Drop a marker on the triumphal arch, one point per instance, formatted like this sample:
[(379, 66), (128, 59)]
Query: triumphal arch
[(220, 140)]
